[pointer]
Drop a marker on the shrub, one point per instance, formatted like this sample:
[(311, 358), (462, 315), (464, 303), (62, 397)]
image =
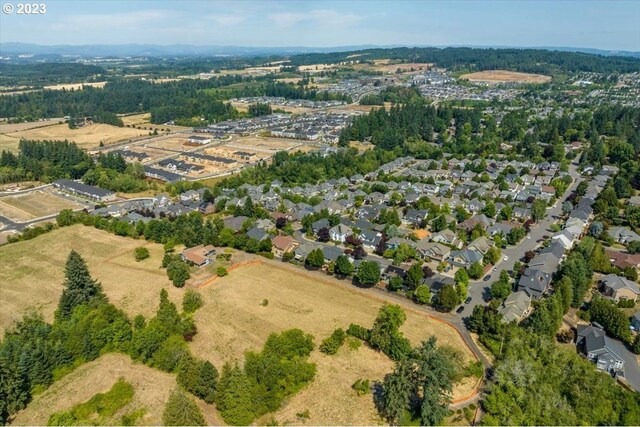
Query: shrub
[(332, 343), (221, 271), (141, 253), (359, 332), (178, 272), (191, 301), (361, 386)]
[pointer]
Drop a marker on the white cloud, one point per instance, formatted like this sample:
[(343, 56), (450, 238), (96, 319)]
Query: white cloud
[(93, 22), (227, 20), (321, 17)]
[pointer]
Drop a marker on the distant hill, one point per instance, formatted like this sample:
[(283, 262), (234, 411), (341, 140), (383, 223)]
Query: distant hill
[(60, 52)]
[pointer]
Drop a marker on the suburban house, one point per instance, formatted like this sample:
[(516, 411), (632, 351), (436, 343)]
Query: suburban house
[(437, 281), (623, 235), (280, 245), (623, 259), (471, 223), (516, 307), (593, 342), (618, 288), (370, 238), (534, 282), (84, 190), (199, 255), (340, 232), (465, 258), (435, 251), (481, 244), (635, 320), (447, 237)]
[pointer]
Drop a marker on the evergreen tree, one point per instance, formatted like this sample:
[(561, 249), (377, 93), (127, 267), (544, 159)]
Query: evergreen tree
[(207, 382), (233, 397), (181, 410), (79, 287)]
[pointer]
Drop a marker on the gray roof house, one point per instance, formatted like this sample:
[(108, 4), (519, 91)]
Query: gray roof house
[(516, 307), (618, 287), (593, 342), (534, 282), (623, 235)]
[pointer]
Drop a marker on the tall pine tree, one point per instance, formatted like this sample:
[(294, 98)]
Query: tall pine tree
[(79, 287)]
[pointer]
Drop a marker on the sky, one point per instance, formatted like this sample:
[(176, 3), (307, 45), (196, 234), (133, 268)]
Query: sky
[(609, 25)]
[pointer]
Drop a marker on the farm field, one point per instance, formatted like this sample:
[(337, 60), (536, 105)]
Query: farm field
[(36, 204), (32, 272), (88, 136), (503, 76), (151, 390), (15, 127), (233, 320), (143, 120)]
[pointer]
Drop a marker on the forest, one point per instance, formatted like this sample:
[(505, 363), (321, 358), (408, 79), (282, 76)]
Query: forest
[(38, 75), (477, 59), (190, 99)]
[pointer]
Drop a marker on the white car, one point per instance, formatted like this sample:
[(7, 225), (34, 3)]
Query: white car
[(506, 258), (528, 236)]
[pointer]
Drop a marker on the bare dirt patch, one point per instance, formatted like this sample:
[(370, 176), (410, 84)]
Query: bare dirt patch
[(504, 76), (32, 272), (151, 390)]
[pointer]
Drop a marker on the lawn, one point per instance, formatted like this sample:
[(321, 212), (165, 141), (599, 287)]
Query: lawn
[(32, 272)]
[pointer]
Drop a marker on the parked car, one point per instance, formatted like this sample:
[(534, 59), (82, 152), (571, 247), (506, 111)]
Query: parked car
[(468, 300), (506, 258), (487, 278), (460, 309)]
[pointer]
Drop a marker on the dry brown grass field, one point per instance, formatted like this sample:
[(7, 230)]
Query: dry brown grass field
[(15, 127), (75, 86), (143, 120), (23, 207), (88, 136), (504, 76), (32, 272), (233, 321)]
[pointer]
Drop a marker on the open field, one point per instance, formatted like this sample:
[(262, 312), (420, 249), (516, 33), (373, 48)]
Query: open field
[(88, 136), (151, 387), (173, 143), (503, 76), (143, 120), (16, 127), (233, 321), (32, 272), (36, 204), (75, 86)]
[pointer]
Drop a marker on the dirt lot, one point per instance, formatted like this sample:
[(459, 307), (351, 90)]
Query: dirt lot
[(264, 143), (36, 204), (151, 391), (31, 272), (234, 321), (87, 137), (503, 76), (173, 143)]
